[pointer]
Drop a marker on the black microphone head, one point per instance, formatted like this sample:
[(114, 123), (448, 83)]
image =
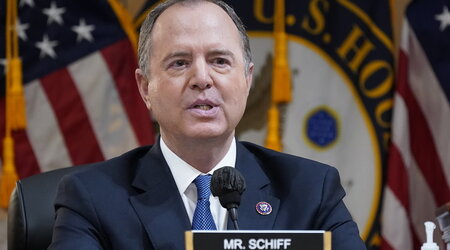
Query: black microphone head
[(228, 184)]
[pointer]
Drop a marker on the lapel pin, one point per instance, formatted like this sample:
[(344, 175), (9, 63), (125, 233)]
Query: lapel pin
[(263, 208)]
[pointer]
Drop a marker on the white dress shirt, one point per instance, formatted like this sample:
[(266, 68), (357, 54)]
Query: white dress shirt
[(184, 175)]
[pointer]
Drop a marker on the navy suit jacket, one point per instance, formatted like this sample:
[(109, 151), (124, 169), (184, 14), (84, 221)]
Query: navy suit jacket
[(132, 201)]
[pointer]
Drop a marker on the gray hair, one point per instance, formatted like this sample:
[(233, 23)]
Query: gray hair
[(145, 42)]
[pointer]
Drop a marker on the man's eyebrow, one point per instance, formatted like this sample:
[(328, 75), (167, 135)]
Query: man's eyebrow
[(221, 52), (176, 54)]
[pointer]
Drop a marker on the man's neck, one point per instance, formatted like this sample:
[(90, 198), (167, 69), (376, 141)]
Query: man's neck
[(202, 154)]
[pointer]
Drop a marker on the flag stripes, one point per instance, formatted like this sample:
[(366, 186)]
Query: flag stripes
[(105, 112), (79, 135), (397, 235), (404, 176), (422, 144), (398, 178), (431, 99), (123, 77), (27, 157), (89, 111), (51, 150), (418, 167)]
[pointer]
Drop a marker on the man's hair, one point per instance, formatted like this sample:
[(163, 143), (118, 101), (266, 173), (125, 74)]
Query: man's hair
[(145, 43)]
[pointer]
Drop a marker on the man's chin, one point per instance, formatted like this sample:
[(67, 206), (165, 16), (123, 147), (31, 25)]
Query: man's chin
[(210, 133)]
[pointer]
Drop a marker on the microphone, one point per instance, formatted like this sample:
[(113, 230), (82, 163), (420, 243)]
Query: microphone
[(228, 184)]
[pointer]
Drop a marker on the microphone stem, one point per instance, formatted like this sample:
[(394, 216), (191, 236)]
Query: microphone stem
[(234, 217), (235, 225)]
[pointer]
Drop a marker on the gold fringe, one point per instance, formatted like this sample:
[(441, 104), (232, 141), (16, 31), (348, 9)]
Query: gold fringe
[(281, 76), (125, 21), (15, 103), (8, 177), (273, 129), (281, 81), (16, 99)]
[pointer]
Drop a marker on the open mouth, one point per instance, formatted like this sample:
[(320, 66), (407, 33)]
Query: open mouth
[(203, 106)]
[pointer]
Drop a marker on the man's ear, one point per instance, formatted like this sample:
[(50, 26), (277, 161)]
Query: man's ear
[(249, 77), (142, 84)]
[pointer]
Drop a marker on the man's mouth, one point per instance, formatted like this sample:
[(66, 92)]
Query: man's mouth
[(203, 106)]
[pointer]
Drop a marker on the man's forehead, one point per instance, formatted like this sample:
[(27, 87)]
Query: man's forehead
[(182, 23), (185, 11), (186, 5)]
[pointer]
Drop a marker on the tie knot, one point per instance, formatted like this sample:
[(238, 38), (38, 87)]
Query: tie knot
[(203, 183)]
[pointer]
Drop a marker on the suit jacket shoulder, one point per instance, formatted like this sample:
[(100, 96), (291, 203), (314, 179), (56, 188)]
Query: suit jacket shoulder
[(128, 202), (285, 170), (304, 194), (119, 167), (283, 160)]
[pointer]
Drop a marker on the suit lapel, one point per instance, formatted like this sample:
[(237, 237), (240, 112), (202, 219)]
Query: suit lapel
[(162, 212), (159, 206), (258, 190)]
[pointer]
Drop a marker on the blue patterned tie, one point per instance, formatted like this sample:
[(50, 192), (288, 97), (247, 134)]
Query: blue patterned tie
[(203, 219)]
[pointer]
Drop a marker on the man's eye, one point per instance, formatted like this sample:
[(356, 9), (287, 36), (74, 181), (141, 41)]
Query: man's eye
[(221, 61), (178, 63)]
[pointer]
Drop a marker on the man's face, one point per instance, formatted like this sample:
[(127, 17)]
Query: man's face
[(197, 87)]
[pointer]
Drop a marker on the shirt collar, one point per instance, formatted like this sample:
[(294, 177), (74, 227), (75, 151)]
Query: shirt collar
[(184, 174)]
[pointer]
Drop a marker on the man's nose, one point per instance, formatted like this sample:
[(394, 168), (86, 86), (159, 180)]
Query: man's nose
[(201, 78)]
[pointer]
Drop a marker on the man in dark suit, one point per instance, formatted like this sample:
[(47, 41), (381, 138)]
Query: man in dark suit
[(195, 73)]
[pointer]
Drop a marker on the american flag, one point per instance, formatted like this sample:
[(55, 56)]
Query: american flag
[(418, 178), (82, 103)]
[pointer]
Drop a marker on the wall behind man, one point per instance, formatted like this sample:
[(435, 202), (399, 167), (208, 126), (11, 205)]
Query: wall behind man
[(134, 7)]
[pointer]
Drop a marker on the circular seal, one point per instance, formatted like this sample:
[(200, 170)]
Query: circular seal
[(263, 208), (322, 127)]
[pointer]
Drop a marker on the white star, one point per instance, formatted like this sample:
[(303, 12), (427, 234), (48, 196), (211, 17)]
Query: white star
[(20, 28), (27, 2), (54, 14), (47, 47), (444, 18), (83, 31)]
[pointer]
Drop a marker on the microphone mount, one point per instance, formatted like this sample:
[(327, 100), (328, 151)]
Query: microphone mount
[(228, 184)]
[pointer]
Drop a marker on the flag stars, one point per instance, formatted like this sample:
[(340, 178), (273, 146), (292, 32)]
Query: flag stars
[(444, 18), (21, 28), (47, 47), (84, 31), (27, 2), (54, 14)]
